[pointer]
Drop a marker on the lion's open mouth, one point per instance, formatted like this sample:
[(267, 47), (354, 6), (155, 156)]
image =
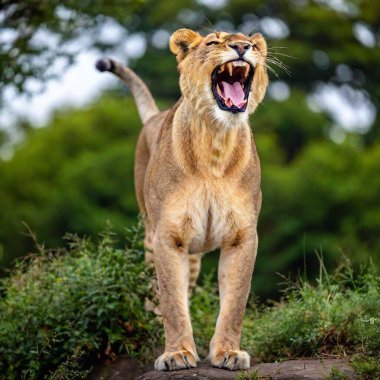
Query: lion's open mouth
[(231, 84)]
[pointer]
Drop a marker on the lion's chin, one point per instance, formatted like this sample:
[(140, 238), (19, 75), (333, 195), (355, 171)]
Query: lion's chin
[(227, 120), (231, 84)]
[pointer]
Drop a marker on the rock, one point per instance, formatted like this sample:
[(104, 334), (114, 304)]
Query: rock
[(123, 369), (316, 369)]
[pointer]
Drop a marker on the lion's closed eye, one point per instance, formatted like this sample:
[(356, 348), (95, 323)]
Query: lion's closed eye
[(212, 43)]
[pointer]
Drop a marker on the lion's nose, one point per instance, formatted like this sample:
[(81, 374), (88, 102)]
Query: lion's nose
[(240, 47)]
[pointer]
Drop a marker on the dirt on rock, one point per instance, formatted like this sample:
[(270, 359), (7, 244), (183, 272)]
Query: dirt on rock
[(315, 369)]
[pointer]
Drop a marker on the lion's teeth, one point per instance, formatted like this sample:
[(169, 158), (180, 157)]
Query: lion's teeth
[(246, 71), (221, 69), (229, 66), (218, 90)]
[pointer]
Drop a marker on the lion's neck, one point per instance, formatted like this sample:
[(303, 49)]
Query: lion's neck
[(204, 146)]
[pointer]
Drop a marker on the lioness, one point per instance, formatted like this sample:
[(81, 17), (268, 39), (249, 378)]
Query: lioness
[(197, 177)]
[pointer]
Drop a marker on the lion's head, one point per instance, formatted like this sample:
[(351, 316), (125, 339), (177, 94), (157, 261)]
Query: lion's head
[(223, 74)]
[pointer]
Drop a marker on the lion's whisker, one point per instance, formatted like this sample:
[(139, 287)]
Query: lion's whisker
[(212, 28), (279, 64), (282, 54), (275, 58), (277, 47), (271, 69)]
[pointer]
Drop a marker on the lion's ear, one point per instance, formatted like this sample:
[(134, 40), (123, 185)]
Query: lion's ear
[(182, 41)]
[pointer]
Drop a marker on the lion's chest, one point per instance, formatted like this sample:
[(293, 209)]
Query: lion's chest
[(208, 215), (211, 218)]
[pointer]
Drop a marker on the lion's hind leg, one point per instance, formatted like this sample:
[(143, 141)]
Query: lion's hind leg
[(148, 243), (151, 303), (194, 270)]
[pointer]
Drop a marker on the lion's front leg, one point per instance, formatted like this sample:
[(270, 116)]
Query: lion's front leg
[(235, 273), (172, 266)]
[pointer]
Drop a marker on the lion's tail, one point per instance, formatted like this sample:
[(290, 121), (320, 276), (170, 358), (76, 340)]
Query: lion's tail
[(144, 100)]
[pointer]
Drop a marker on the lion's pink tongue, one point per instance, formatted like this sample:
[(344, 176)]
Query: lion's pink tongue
[(233, 94)]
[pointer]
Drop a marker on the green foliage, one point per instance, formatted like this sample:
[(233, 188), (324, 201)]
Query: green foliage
[(319, 201), (73, 176), (340, 315), (71, 368), (59, 310), (367, 367), (248, 375), (336, 374), (285, 123)]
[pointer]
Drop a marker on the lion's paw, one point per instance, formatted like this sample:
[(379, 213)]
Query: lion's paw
[(174, 361), (230, 359)]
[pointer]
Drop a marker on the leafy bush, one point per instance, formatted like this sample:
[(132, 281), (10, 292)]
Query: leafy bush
[(63, 308), (340, 315), (367, 367)]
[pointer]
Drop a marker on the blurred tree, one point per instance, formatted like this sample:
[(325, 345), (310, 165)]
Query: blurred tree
[(25, 54), (3, 138), (330, 42), (72, 176), (324, 201), (292, 122)]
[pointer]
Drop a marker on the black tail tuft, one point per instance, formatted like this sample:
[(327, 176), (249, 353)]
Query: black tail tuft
[(104, 64)]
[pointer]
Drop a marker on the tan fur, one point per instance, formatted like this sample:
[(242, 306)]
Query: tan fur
[(197, 180)]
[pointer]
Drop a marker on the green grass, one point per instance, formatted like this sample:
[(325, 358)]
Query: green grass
[(366, 366), (248, 375), (62, 311), (339, 315), (336, 374)]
